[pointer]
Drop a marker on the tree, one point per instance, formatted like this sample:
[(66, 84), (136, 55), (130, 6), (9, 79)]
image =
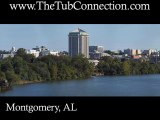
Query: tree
[(107, 59), (126, 68), (2, 75), (6, 66), (41, 68), (21, 52), (84, 69), (53, 72), (11, 76), (136, 66), (145, 68), (29, 58)]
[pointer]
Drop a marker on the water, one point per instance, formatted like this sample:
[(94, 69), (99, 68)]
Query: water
[(146, 85)]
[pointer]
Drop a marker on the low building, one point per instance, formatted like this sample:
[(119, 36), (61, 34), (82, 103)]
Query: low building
[(96, 49), (138, 52), (48, 52), (136, 56), (98, 55), (33, 52), (116, 52), (3, 56), (42, 48), (54, 53), (118, 56), (95, 62), (144, 58), (13, 49), (149, 52), (127, 51), (42, 51), (131, 52)]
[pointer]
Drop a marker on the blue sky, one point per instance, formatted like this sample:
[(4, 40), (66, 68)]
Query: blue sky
[(55, 36)]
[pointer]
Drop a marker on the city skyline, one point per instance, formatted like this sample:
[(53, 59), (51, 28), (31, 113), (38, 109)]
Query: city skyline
[(55, 36)]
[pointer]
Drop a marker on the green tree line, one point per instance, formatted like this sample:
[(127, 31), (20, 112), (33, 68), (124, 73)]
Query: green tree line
[(111, 66), (26, 67), (48, 68)]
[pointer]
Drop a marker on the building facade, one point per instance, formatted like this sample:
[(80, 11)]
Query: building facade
[(78, 43), (42, 51), (149, 52), (132, 52), (3, 56), (48, 52), (96, 48), (33, 52), (127, 51)]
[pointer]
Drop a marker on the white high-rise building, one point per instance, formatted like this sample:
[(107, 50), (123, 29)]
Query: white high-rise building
[(78, 43)]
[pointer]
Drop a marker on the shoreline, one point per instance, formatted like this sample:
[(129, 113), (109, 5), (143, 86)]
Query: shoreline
[(20, 82), (24, 82)]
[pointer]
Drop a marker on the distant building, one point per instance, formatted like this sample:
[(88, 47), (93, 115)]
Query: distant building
[(54, 53), (127, 51), (78, 43), (145, 52), (136, 56), (116, 51), (95, 62), (98, 55), (42, 51), (118, 56), (42, 48), (96, 49), (3, 56), (138, 52), (13, 49), (149, 52), (132, 52), (48, 52), (33, 52), (144, 58), (63, 53)]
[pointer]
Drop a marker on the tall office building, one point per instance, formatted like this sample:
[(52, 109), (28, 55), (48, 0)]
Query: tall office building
[(78, 43)]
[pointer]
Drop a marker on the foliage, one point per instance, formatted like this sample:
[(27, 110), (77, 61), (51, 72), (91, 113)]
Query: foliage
[(26, 67), (21, 52), (110, 66), (2, 75), (11, 76)]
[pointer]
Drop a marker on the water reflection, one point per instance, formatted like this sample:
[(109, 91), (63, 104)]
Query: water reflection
[(146, 85)]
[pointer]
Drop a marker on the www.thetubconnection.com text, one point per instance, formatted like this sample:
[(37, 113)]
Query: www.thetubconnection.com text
[(77, 5)]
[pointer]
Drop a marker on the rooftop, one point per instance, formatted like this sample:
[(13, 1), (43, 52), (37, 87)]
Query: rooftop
[(79, 31)]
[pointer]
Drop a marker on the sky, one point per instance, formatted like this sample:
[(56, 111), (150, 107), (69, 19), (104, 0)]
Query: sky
[(55, 36)]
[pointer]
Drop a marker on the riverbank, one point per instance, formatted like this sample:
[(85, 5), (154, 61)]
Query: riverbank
[(23, 82), (98, 74)]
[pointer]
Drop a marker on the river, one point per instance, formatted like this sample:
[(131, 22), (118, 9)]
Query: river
[(144, 85)]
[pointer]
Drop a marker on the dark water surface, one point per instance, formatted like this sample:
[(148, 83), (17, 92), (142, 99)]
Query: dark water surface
[(146, 85)]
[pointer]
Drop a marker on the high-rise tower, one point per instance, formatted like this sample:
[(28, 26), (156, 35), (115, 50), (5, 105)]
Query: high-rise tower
[(78, 43)]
